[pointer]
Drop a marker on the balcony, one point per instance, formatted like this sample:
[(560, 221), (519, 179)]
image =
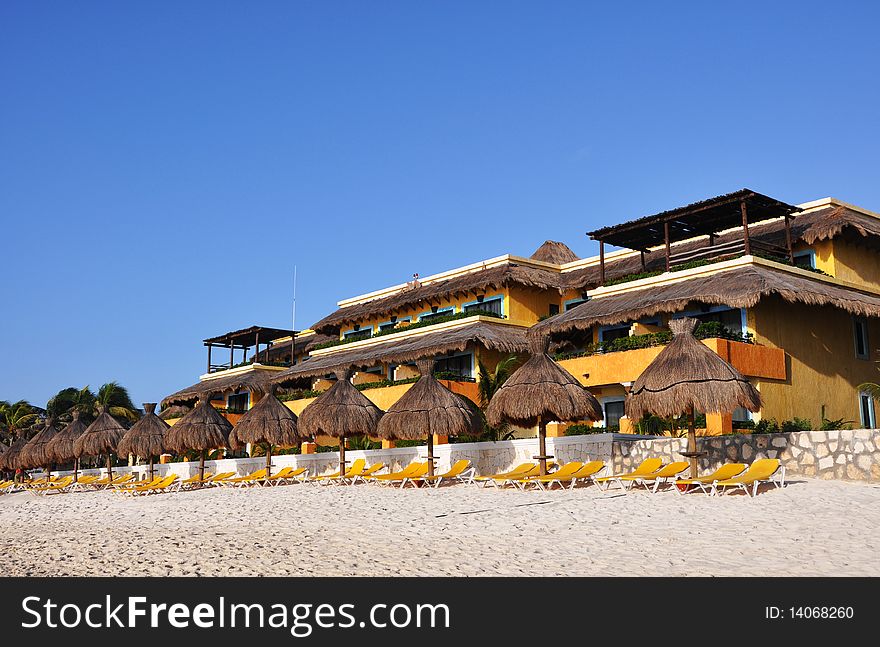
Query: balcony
[(625, 366)]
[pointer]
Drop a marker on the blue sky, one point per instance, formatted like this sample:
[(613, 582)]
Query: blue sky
[(164, 165)]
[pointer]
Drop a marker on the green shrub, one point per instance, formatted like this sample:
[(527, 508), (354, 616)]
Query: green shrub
[(585, 430), (797, 424)]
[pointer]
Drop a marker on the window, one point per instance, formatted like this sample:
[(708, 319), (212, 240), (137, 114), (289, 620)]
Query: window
[(493, 305), (860, 333), (457, 365), (731, 318), (554, 309), (388, 325), (436, 312), (866, 407), (610, 334), (614, 411), (806, 258), (237, 402), (574, 303), (353, 335)]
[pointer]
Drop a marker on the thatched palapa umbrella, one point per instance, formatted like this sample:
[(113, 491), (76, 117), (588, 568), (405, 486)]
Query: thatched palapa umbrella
[(686, 377), (146, 438), (203, 429), (34, 454), (61, 448), (268, 422), (339, 412), (9, 460), (100, 437), (426, 409), (541, 391)]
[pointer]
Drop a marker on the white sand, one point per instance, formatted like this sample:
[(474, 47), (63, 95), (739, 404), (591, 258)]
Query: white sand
[(809, 528)]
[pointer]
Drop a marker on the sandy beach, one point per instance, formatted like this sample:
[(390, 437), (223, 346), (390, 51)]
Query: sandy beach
[(811, 527)]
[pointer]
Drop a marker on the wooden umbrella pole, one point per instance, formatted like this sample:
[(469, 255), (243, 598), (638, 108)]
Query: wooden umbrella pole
[(75, 470), (202, 465), (268, 460), (151, 468), (430, 454), (109, 468), (342, 456), (542, 445), (692, 442)]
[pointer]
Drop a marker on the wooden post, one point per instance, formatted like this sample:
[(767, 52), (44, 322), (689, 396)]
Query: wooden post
[(430, 454), (202, 465), (745, 219), (788, 239), (542, 446), (75, 470), (268, 461), (642, 255), (151, 468), (342, 456), (231, 353), (257, 349), (109, 468), (601, 263), (692, 442), (209, 358), (666, 237)]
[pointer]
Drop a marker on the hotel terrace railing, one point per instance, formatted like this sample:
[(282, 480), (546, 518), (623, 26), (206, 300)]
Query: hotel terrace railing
[(405, 328), (301, 394)]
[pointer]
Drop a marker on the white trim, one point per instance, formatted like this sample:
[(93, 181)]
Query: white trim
[(871, 422)]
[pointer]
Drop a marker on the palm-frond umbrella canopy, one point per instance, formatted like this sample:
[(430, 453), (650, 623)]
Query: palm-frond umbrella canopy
[(9, 460), (341, 411), (100, 438), (203, 429), (146, 438), (686, 377), (541, 391), (34, 454), (174, 411), (426, 409), (269, 422), (61, 448)]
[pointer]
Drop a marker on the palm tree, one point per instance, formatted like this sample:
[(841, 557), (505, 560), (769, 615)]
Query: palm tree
[(870, 388), (489, 383), (17, 418), (62, 405), (116, 400)]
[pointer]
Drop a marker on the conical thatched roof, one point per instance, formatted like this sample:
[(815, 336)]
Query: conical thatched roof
[(100, 437), (541, 388), (61, 448), (34, 454), (147, 436), (269, 421), (428, 407), (554, 252), (9, 460), (201, 429), (340, 411), (687, 374), (174, 411)]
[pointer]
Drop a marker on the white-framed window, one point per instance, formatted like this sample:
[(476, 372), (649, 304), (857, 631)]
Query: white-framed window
[(392, 323), (860, 338), (613, 410), (436, 312), (805, 258), (867, 411), (358, 333), (495, 305)]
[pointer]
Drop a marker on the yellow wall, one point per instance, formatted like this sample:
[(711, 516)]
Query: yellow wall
[(529, 305), (856, 264), (822, 366)]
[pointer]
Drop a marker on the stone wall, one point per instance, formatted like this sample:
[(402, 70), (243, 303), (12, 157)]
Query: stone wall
[(852, 455)]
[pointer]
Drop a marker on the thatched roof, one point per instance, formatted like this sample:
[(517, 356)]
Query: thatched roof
[(495, 336), (830, 223), (269, 421), (428, 407), (61, 448), (9, 460), (253, 381), (739, 287), (541, 388), (280, 351), (174, 411), (340, 411), (688, 375), (34, 454), (554, 252), (100, 437), (146, 437), (201, 429), (417, 294)]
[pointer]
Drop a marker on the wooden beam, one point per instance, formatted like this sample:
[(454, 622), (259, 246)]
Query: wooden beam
[(601, 263), (747, 246), (231, 353), (257, 349), (666, 237), (642, 255), (788, 238), (209, 357)]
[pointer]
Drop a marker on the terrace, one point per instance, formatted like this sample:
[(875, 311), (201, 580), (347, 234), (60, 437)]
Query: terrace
[(244, 340)]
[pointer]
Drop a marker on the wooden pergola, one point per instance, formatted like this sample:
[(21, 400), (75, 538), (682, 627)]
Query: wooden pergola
[(243, 340), (705, 218)]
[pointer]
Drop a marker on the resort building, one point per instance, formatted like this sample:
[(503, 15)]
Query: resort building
[(789, 294)]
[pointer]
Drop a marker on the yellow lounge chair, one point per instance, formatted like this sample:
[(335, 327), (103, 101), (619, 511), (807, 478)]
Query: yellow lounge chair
[(564, 472), (127, 487), (517, 472), (646, 467), (372, 469), (289, 474), (663, 475), (152, 488), (704, 483), (761, 471), (219, 479), (54, 486), (194, 481), (246, 479), (587, 472), (411, 471), (356, 467), (115, 481), (460, 471), (535, 471)]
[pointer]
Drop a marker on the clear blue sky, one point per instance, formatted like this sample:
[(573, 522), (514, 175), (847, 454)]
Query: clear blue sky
[(163, 165)]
